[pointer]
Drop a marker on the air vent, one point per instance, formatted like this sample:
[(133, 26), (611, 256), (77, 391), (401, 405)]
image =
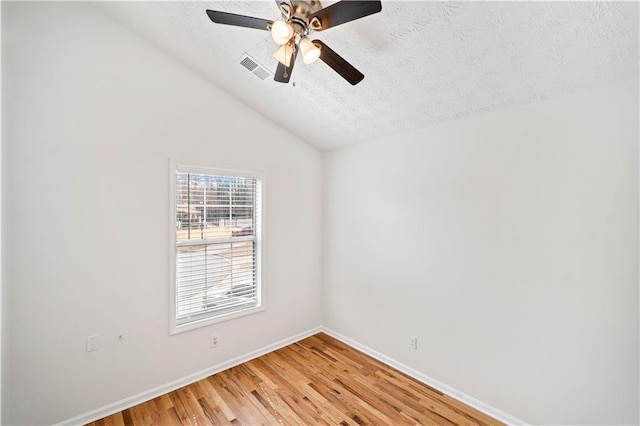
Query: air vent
[(248, 63), (252, 65)]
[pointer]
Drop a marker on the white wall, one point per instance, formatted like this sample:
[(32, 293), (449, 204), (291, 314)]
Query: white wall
[(508, 244), (95, 115), (2, 322)]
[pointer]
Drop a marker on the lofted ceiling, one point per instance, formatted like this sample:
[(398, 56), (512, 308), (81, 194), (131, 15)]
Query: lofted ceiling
[(424, 62)]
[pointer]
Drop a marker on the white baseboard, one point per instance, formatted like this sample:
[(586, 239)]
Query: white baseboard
[(129, 402), (446, 389)]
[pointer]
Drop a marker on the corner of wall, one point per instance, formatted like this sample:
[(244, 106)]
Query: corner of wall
[(324, 196)]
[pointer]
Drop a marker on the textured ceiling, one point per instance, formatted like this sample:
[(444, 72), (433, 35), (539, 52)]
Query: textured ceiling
[(424, 62)]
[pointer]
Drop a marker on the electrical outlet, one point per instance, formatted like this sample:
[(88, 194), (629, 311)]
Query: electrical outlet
[(213, 341), (92, 343), (413, 342)]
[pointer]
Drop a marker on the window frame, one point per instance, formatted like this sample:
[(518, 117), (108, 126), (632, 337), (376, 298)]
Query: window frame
[(259, 214)]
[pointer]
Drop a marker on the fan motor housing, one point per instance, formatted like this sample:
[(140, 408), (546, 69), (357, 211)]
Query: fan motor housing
[(300, 12)]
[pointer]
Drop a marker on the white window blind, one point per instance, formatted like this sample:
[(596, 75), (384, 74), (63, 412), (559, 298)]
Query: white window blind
[(217, 224)]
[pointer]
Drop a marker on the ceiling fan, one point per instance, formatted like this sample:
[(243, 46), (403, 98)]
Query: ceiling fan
[(299, 19)]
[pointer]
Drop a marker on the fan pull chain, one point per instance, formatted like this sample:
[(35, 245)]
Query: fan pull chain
[(294, 72)]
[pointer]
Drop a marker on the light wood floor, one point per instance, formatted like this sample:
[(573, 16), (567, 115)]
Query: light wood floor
[(316, 381)]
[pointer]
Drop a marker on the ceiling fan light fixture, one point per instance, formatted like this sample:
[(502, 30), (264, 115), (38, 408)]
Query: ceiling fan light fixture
[(283, 55), (310, 52), (281, 32)]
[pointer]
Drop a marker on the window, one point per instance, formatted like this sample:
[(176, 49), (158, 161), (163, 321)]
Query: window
[(216, 237)]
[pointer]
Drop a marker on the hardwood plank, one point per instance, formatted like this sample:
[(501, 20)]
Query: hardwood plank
[(296, 372), (318, 380), (214, 402), (127, 417), (166, 411), (114, 420), (427, 400), (230, 397), (339, 397), (311, 399), (182, 412), (255, 395), (146, 413), (281, 398), (249, 408), (191, 404), (172, 417)]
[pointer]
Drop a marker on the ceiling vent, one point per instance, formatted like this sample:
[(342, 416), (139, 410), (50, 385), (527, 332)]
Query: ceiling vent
[(252, 65)]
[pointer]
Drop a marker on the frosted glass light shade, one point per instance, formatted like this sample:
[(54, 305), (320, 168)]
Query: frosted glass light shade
[(281, 32), (283, 55), (310, 52)]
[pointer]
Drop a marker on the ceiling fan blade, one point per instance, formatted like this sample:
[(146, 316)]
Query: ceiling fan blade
[(283, 73), (343, 11), (339, 65), (238, 20)]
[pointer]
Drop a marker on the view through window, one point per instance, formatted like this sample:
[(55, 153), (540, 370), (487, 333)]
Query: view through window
[(217, 220)]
